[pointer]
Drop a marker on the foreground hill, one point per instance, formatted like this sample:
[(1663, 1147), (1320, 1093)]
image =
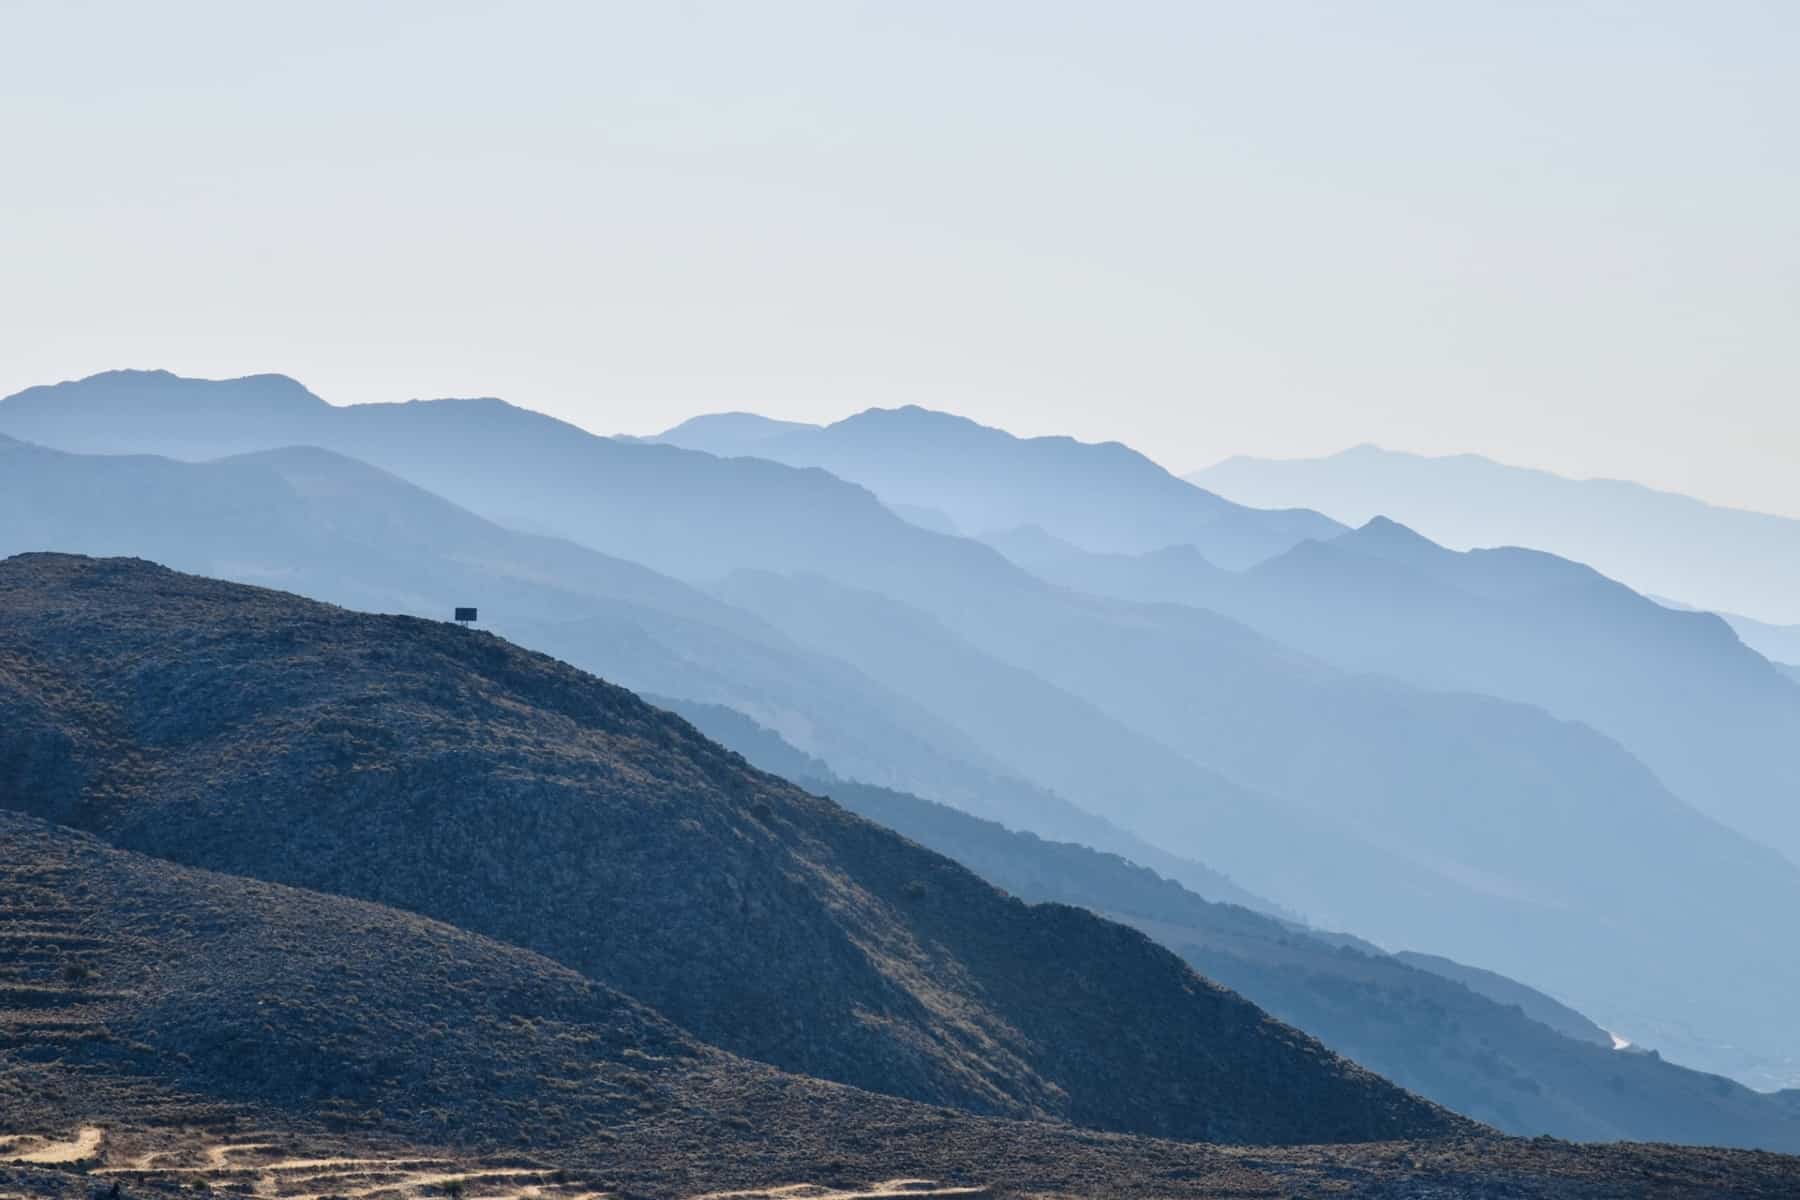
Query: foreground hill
[(1658, 542), (449, 773), (147, 981), (173, 1031), (1103, 497)]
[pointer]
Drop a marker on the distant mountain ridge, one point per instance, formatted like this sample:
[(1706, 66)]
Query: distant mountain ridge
[(1679, 690), (336, 529), (1658, 542), (1452, 823), (1102, 496)]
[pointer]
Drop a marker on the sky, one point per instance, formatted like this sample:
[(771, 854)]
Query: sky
[(1559, 234)]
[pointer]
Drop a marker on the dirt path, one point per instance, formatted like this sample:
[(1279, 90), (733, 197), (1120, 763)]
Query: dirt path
[(23, 1148)]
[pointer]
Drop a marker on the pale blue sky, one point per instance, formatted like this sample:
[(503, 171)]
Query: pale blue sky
[(1560, 234)]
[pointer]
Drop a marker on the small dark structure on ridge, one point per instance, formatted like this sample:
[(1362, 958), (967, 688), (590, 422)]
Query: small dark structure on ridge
[(465, 616)]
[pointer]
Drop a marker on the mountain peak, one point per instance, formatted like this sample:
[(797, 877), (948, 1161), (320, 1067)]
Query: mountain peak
[(132, 388), (1389, 536), (736, 426)]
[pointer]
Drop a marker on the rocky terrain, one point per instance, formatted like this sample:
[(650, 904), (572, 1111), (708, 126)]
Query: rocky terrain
[(451, 774)]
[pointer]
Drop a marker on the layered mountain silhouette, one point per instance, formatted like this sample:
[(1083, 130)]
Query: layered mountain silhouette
[(1455, 824), (336, 529), (1473, 1040), (1780, 644), (1658, 542), (1681, 691), (448, 773), (1103, 497)]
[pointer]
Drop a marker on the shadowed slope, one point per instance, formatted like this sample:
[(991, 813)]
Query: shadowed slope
[(447, 772), (137, 973)]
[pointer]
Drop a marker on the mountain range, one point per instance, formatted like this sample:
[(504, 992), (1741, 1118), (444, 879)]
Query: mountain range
[(335, 529), (969, 478), (1714, 719), (1451, 823), (1125, 701), (1657, 542)]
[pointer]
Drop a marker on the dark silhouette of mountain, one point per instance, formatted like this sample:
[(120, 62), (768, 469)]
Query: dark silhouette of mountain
[(446, 772), (1103, 497), (210, 1033), (1456, 824), (1679, 690), (338, 530), (313, 1005), (1657, 542), (1472, 1040)]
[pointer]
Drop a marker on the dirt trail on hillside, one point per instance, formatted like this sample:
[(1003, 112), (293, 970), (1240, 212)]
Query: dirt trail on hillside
[(39, 1151)]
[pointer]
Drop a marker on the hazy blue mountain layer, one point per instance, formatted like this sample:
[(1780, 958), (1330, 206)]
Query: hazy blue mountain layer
[(335, 529), (1658, 542), (1104, 497), (1679, 690), (1470, 1039)]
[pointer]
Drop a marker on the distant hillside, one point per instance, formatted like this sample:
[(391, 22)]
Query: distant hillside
[(1487, 1058), (1104, 497), (1780, 644), (1679, 690), (1545, 1010), (428, 767), (766, 750), (1657, 542), (334, 529), (1472, 1040)]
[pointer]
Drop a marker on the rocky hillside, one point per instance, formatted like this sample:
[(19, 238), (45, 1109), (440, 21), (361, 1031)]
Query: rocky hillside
[(146, 981), (179, 1032), (451, 774)]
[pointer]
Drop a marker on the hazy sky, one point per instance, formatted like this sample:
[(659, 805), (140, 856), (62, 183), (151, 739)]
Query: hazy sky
[(1561, 234)]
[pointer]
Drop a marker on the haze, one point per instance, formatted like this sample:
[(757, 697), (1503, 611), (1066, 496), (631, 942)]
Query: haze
[(1559, 236)]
